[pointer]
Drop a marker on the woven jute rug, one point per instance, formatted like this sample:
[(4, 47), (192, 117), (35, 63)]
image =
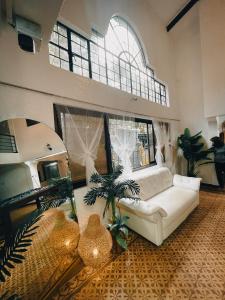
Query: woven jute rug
[(189, 265)]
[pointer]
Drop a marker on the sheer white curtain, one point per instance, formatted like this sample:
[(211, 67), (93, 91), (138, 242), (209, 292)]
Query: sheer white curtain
[(160, 142), (123, 136), (174, 136), (163, 150), (82, 131), (82, 134), (166, 137)]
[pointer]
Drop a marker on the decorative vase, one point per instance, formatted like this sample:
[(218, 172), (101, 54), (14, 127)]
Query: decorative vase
[(65, 233), (95, 243)]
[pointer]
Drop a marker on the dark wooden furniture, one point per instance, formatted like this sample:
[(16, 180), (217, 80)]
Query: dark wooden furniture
[(20, 200)]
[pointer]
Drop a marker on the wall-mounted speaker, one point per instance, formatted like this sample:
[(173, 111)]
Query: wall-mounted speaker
[(26, 42), (28, 33)]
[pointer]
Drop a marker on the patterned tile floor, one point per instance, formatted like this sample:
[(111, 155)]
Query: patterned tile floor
[(189, 265)]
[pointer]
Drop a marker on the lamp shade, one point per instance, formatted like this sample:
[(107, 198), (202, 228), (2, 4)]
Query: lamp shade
[(95, 243)]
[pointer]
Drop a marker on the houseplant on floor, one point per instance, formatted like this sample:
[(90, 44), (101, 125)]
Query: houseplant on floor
[(110, 188), (194, 151), (65, 191)]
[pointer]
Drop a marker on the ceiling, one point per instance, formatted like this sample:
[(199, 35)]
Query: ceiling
[(167, 9)]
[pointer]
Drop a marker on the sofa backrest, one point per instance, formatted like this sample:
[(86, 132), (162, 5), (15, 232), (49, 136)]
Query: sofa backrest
[(152, 181)]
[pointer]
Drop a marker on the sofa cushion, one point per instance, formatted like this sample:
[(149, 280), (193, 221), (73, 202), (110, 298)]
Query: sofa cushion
[(152, 181), (192, 183), (175, 201)]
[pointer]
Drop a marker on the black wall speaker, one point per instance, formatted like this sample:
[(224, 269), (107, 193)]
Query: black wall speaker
[(26, 42)]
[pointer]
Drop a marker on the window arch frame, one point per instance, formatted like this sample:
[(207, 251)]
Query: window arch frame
[(83, 62)]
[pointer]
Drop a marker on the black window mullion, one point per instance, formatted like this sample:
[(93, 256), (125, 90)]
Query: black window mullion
[(131, 86), (59, 46), (70, 53), (106, 65), (154, 141), (139, 81), (89, 59), (154, 89), (120, 74), (149, 150), (108, 149), (147, 83)]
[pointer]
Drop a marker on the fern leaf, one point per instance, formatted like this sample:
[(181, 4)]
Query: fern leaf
[(4, 270)]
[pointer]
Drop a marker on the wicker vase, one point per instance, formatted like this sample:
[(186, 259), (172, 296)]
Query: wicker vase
[(95, 243), (65, 233)]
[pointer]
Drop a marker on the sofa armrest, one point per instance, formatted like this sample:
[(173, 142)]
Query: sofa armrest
[(142, 207), (190, 183)]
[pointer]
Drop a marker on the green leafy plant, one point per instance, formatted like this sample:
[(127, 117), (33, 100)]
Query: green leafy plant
[(65, 190), (119, 230), (111, 189), (16, 243), (194, 151), (6, 296)]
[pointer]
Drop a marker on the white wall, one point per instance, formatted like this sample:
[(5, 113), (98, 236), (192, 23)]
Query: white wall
[(186, 37), (212, 29), (32, 140), (190, 88), (10, 158), (14, 179)]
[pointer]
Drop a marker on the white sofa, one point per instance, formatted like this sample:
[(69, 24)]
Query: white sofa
[(166, 201)]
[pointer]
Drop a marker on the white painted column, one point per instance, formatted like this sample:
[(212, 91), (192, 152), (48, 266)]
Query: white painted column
[(34, 173)]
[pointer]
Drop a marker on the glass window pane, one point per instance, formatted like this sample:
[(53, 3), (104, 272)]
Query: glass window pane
[(65, 65), (76, 48), (54, 61), (55, 38), (53, 50), (141, 153), (63, 41), (62, 30), (64, 55)]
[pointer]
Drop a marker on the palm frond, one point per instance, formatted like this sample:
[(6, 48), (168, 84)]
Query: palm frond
[(118, 170), (18, 242), (93, 194), (197, 135), (96, 178), (127, 185), (6, 296), (107, 205)]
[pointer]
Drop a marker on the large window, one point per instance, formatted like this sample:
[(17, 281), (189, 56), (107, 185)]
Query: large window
[(80, 116), (144, 152), (116, 59), (142, 156)]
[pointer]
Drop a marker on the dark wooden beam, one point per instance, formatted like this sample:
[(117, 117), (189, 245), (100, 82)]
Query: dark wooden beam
[(180, 15)]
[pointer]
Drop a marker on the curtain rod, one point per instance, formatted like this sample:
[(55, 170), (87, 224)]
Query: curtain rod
[(85, 103)]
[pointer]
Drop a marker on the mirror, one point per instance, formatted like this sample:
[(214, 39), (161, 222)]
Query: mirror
[(35, 190)]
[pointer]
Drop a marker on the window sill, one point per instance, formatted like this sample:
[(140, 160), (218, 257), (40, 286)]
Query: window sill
[(145, 167)]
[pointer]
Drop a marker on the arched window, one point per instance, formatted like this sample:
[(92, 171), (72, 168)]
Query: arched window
[(116, 59)]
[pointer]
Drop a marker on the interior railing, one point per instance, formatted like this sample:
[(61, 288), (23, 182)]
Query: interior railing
[(7, 143)]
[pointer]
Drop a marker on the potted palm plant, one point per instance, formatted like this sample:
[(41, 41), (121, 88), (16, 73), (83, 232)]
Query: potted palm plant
[(194, 151), (110, 188)]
